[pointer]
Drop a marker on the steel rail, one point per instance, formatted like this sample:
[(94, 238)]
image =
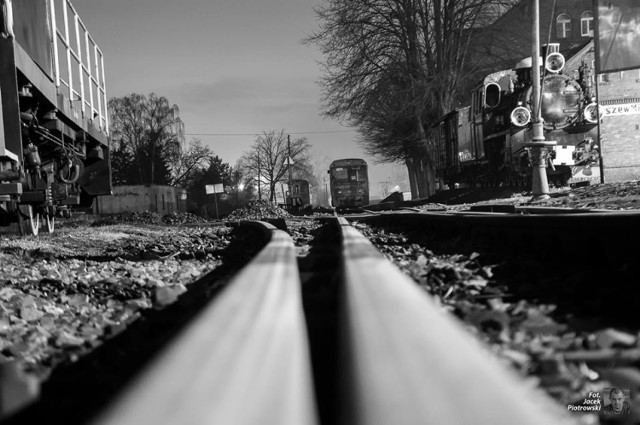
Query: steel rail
[(609, 236), (402, 360), (408, 363), (245, 360)]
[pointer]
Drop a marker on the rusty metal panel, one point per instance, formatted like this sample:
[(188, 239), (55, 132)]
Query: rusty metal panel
[(32, 30)]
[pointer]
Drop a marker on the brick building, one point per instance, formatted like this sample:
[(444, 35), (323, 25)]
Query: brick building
[(508, 39), (571, 24), (619, 96)]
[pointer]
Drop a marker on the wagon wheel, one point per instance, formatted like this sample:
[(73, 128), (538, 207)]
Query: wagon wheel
[(28, 222), (49, 222)]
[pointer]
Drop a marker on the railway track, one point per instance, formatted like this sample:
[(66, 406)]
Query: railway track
[(329, 331)]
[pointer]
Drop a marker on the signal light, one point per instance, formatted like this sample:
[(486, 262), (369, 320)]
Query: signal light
[(520, 116), (591, 113), (554, 62)]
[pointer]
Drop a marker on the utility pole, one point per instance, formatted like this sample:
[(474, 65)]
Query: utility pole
[(289, 166), (215, 200), (326, 190), (259, 178), (384, 188), (539, 148)]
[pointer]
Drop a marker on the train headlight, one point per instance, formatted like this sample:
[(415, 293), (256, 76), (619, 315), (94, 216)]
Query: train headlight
[(591, 113), (554, 62), (520, 116)]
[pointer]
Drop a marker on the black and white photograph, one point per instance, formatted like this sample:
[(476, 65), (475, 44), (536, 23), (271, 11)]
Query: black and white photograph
[(324, 212)]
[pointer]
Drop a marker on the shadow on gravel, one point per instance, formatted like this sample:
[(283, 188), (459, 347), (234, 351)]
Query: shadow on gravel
[(588, 277), (77, 391), (584, 293), (320, 275), (473, 195)]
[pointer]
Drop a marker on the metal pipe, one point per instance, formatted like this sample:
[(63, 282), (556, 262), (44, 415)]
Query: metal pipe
[(74, 172), (80, 70), (538, 133), (289, 166), (89, 73), (65, 16), (55, 35), (599, 134), (539, 147)]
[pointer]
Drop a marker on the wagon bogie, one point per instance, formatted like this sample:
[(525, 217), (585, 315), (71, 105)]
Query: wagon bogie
[(54, 127)]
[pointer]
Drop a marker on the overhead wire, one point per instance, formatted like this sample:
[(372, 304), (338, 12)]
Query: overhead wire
[(258, 134)]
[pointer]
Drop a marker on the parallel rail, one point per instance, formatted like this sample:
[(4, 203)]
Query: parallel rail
[(608, 236), (246, 358), (407, 363)]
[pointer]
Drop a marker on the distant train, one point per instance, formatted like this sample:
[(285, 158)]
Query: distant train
[(299, 198), (349, 183), (486, 143), (53, 132)]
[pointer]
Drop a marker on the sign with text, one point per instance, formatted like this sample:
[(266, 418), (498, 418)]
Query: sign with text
[(214, 188), (620, 109), (617, 39)]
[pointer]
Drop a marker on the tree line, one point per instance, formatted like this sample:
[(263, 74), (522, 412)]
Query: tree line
[(392, 68), (148, 146)]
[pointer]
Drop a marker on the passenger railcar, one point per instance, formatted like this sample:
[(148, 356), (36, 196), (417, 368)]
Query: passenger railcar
[(54, 152), (487, 142), (296, 198), (349, 183), (300, 193)]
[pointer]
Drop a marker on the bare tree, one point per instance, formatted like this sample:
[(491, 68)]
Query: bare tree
[(148, 131), (266, 162), (392, 67), (185, 163)]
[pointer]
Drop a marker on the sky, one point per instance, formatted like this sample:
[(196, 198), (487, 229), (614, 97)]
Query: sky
[(232, 67)]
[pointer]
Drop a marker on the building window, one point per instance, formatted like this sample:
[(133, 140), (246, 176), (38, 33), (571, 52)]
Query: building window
[(586, 24), (563, 26)]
